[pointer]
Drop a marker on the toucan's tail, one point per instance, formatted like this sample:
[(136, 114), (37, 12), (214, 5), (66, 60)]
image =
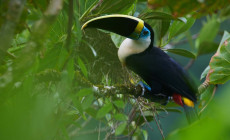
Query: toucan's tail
[(188, 106), (191, 114)]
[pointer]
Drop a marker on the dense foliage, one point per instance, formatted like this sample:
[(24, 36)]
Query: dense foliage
[(59, 82)]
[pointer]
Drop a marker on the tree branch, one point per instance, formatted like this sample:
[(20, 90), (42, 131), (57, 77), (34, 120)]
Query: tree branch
[(39, 30), (13, 14), (70, 24)]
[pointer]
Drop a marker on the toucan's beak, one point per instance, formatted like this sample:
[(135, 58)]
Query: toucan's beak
[(124, 25)]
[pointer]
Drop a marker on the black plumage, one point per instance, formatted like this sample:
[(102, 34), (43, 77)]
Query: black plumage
[(161, 72)]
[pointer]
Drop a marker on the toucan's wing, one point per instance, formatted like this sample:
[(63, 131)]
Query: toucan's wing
[(154, 65)]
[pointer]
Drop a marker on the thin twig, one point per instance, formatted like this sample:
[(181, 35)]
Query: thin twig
[(99, 131), (157, 120), (213, 93), (91, 131), (184, 41), (132, 114), (190, 63), (76, 131), (144, 115)]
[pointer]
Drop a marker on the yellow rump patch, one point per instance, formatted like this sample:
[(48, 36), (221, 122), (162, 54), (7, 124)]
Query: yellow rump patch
[(188, 102)]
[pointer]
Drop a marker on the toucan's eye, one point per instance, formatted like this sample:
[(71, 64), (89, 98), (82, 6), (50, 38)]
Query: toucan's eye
[(145, 32)]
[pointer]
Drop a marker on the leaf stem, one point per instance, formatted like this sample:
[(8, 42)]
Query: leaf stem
[(190, 63), (213, 93)]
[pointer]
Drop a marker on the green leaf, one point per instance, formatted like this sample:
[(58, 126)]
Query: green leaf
[(219, 72), (104, 110), (117, 39), (92, 112), (82, 67), (225, 13), (207, 47), (205, 96), (205, 72), (87, 101), (207, 35), (182, 52), (84, 92), (77, 104), (141, 120), (120, 129), (150, 15), (145, 133), (119, 103), (120, 117), (179, 27)]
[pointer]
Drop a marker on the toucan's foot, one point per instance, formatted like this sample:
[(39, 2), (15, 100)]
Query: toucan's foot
[(148, 94), (167, 99), (144, 88)]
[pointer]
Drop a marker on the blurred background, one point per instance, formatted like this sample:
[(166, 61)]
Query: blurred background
[(50, 68)]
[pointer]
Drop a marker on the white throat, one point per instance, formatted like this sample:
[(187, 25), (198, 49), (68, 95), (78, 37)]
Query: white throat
[(129, 47)]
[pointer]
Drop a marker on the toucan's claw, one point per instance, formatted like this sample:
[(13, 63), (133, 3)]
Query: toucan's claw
[(144, 88), (146, 93)]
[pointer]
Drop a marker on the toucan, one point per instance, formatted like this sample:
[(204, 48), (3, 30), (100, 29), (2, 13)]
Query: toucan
[(163, 76)]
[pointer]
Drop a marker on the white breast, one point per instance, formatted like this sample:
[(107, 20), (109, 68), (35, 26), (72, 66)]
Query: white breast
[(129, 47)]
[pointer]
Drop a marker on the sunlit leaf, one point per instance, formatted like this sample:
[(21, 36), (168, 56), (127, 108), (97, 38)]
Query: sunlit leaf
[(145, 133)]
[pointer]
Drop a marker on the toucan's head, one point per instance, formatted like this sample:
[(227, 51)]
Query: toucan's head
[(124, 25)]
